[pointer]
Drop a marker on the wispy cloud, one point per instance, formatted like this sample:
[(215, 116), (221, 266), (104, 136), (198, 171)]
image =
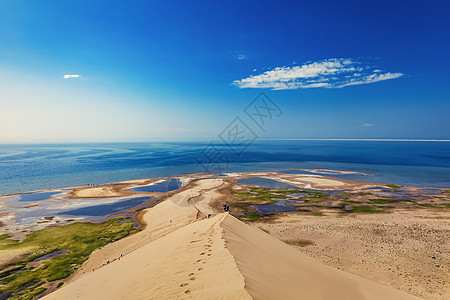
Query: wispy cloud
[(242, 56), (329, 73), (68, 76), (368, 125)]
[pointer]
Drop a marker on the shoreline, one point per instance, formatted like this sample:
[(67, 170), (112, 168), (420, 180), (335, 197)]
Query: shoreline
[(321, 218)]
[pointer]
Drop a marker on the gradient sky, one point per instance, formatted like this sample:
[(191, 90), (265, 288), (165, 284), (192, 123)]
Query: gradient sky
[(75, 71)]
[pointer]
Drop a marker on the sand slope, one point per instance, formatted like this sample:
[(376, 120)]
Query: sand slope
[(220, 258), (275, 270), (191, 263)]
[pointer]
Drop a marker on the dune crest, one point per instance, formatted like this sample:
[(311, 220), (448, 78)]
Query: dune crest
[(221, 258), (275, 270), (183, 255)]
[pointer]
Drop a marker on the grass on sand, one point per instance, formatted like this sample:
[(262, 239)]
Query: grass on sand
[(250, 216), (367, 210), (301, 243), (393, 186), (79, 239), (266, 195)]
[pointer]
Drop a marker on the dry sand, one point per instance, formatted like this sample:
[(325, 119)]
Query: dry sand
[(182, 255), (408, 250), (221, 258)]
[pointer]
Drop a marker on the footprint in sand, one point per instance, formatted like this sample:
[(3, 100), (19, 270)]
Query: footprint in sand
[(184, 284), (187, 291), (209, 254), (199, 260), (200, 269), (190, 274), (192, 278), (203, 253)]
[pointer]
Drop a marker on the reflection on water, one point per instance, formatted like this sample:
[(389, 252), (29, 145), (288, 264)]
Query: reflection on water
[(37, 196), (107, 209), (161, 187), (297, 195), (267, 183), (278, 206), (51, 255), (430, 191)]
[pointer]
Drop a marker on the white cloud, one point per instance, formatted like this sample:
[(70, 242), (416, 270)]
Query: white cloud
[(372, 78), (68, 76), (329, 73), (242, 56), (368, 125)]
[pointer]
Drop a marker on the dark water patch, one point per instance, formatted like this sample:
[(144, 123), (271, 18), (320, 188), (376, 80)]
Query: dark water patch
[(107, 209), (267, 183), (11, 273), (333, 192), (51, 255), (298, 195), (395, 194), (37, 196), (377, 188), (278, 206), (430, 191), (161, 187), (7, 295)]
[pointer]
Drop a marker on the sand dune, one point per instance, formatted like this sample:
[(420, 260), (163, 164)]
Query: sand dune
[(219, 258), (275, 270)]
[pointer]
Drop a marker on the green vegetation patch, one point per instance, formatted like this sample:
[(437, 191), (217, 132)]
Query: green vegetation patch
[(367, 210), (393, 186), (313, 199), (259, 194), (263, 194), (318, 214), (380, 201), (446, 191), (445, 206), (266, 195), (79, 239), (251, 216), (301, 243)]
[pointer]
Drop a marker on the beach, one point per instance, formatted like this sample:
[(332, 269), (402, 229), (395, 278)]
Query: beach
[(306, 245), (217, 257)]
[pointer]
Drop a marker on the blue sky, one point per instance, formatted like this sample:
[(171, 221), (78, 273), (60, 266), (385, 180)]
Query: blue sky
[(179, 70)]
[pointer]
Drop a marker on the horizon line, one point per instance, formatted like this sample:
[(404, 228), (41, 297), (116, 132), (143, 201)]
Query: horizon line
[(374, 140), (48, 142)]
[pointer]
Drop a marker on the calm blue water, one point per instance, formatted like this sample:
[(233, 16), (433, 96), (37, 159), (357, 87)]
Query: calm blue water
[(36, 167), (106, 209), (37, 196)]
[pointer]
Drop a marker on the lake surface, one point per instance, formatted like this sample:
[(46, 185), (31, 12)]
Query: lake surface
[(37, 196), (106, 209), (36, 167)]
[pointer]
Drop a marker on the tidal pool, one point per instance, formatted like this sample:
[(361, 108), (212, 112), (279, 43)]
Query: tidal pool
[(278, 206), (40, 196), (107, 209), (51, 255)]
